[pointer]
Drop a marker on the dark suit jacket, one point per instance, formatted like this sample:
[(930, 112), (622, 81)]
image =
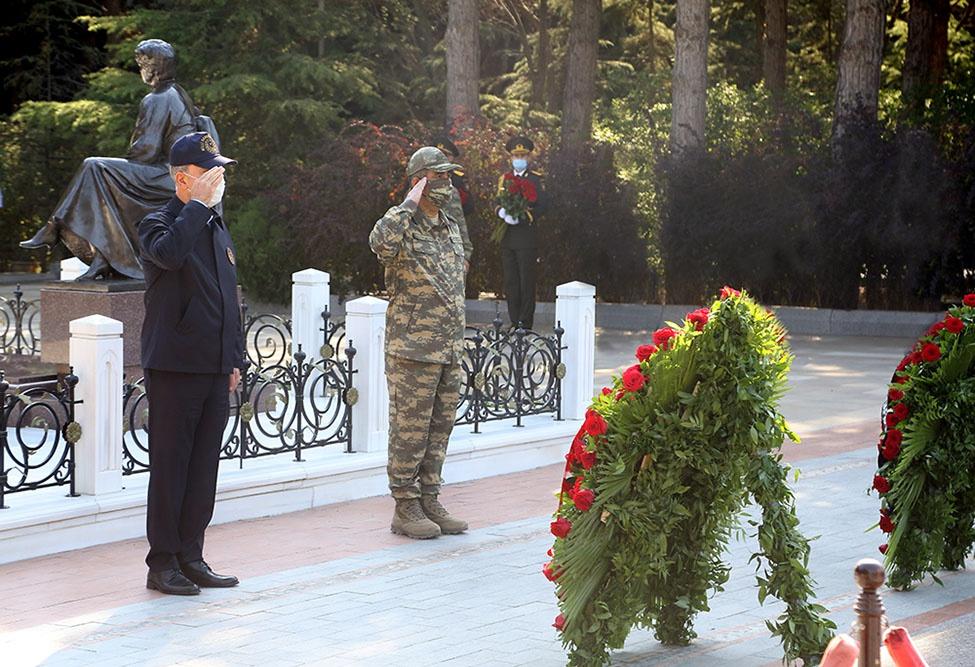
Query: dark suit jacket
[(192, 320), (525, 235)]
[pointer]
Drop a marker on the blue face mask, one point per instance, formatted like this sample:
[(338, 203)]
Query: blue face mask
[(519, 163)]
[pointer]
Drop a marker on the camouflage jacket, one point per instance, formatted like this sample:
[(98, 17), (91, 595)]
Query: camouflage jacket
[(424, 263)]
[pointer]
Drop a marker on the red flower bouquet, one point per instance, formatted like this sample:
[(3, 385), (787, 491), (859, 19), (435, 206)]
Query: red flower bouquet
[(516, 196)]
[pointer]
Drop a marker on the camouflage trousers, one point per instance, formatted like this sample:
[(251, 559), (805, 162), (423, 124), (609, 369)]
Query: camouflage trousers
[(422, 408)]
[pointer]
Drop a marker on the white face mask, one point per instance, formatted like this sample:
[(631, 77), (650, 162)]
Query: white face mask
[(519, 163), (218, 194)]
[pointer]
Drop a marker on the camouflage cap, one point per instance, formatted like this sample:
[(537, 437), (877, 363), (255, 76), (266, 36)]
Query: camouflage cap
[(429, 157)]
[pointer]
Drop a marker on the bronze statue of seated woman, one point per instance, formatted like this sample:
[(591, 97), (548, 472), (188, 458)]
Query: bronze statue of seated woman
[(97, 216)]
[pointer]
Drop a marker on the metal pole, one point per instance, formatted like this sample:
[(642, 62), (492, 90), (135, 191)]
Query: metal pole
[(869, 576), (71, 380), (3, 435)]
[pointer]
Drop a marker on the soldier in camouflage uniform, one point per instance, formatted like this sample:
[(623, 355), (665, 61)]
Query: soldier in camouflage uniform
[(423, 252)]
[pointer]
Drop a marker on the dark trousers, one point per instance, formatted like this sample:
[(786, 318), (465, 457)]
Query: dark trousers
[(187, 416), (519, 266)]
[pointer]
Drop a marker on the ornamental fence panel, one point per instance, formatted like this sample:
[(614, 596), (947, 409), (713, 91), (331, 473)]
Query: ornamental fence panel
[(283, 404), (39, 434), (20, 324), (510, 373)]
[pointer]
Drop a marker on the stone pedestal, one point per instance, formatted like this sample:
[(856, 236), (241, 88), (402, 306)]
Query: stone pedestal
[(120, 300)]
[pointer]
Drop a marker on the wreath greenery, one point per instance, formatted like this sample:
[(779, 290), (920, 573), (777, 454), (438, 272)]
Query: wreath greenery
[(657, 479), (926, 473)]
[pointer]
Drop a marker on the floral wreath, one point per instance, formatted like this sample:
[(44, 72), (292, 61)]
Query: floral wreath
[(926, 465), (657, 478)]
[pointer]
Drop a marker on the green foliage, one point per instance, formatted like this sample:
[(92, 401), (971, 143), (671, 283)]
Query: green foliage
[(929, 508), (41, 146), (680, 457)]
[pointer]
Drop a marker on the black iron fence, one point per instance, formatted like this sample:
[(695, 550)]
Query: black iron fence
[(19, 324), (284, 403), (38, 435), (509, 374)]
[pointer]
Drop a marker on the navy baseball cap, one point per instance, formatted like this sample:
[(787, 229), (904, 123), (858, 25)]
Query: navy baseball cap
[(198, 148)]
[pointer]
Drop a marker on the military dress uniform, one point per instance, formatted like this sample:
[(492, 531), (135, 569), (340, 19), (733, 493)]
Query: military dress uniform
[(457, 177), (424, 273), (519, 245), (191, 343)]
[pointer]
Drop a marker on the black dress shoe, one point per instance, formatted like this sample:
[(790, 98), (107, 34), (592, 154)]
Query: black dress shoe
[(201, 575), (171, 582), (45, 236)]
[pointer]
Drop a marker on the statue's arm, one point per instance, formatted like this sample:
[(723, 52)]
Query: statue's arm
[(167, 245), (150, 131)]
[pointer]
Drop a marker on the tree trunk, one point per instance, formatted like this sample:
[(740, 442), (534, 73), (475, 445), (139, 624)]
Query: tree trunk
[(690, 78), (927, 50), (580, 75), (541, 76), (858, 80), (463, 62), (652, 48), (774, 52)]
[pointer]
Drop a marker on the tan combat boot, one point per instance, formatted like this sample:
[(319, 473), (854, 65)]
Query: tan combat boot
[(409, 520), (439, 515)]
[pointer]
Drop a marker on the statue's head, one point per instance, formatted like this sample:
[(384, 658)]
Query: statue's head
[(156, 60)]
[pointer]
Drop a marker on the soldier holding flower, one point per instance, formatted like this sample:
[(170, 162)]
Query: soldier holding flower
[(520, 203)]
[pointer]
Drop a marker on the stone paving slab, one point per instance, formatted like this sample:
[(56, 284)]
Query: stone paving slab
[(475, 599), (332, 586)]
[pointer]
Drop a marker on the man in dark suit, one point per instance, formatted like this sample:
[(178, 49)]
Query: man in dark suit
[(519, 245), (192, 353)]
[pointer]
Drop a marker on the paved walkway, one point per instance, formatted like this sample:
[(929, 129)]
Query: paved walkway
[(332, 586)]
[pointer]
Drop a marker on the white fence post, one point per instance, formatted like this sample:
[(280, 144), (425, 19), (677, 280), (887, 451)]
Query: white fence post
[(309, 297), (365, 328), (95, 352), (575, 308)]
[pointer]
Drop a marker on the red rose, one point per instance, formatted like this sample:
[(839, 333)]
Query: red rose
[(620, 394), (891, 420), (559, 622), (550, 572), (969, 300), (528, 190), (729, 291), (698, 318), (881, 484), (883, 548), (661, 337), (633, 379), (891, 451), (607, 391), (930, 352), (583, 499), (886, 524), (594, 425), (550, 553), (567, 485), (901, 379), (901, 411), (644, 352), (892, 444), (587, 459), (935, 328), (954, 324), (561, 527), (895, 395)]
